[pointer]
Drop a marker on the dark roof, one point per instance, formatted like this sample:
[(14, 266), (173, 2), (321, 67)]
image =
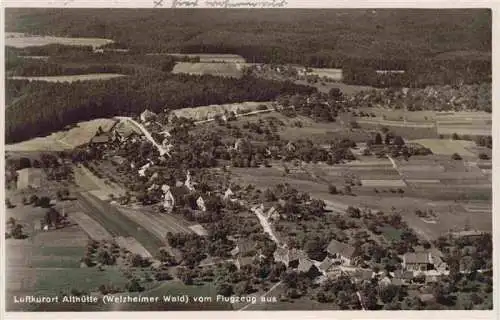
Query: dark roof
[(326, 264), (337, 247), (396, 282), (405, 275), (102, 138), (296, 254), (363, 274), (417, 257)]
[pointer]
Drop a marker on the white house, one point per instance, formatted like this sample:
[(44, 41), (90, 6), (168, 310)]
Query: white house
[(341, 251), (201, 204), (168, 198), (147, 116), (188, 183)]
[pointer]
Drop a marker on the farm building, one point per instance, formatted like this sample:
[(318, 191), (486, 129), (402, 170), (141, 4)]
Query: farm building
[(289, 257), (325, 265), (470, 234), (100, 139), (417, 261), (199, 230), (29, 178), (341, 251), (308, 267)]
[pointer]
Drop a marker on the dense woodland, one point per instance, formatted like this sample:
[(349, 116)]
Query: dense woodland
[(52, 106), (434, 47)]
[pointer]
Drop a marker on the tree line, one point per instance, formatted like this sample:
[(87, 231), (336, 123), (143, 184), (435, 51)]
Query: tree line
[(46, 107)]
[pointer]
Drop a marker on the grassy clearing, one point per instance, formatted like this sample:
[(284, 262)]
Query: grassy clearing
[(447, 147), (61, 251)]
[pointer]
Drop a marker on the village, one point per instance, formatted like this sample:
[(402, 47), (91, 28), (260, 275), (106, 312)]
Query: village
[(202, 207)]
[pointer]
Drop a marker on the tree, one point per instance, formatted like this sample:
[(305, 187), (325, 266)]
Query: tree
[(455, 136), (134, 286), (17, 232), (224, 289), (388, 293), (398, 141), (348, 190), (378, 139), (483, 156), (44, 202), (105, 258), (315, 249), (456, 156), (332, 189)]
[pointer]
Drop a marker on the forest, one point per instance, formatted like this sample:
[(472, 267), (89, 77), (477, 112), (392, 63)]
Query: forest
[(316, 38), (41, 108)]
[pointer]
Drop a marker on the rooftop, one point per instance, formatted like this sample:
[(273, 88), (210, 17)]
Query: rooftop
[(417, 257), (337, 247)]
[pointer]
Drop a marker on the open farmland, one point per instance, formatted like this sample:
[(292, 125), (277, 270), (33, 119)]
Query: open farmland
[(447, 147), (91, 227), (20, 40), (72, 78), (207, 57), (233, 70), (133, 246), (333, 74), (159, 224), (76, 136), (117, 223), (208, 112)]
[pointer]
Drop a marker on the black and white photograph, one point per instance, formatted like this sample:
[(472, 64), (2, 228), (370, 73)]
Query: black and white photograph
[(275, 159)]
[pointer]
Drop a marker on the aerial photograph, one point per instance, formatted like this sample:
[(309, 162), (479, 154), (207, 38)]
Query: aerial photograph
[(248, 159)]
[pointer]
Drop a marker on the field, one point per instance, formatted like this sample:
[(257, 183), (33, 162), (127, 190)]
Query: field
[(159, 224), (207, 112), (78, 135), (20, 40), (233, 70), (208, 57), (447, 147), (91, 227), (133, 246), (117, 223), (98, 187), (333, 74), (72, 78)]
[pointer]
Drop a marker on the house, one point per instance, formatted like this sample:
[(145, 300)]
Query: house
[(244, 247), (469, 234), (385, 281), (188, 183), (147, 116), (201, 204), (168, 198), (199, 230), (290, 147), (417, 261), (100, 139), (307, 266), (362, 276), (342, 251), (289, 257), (325, 265), (29, 178), (405, 277), (228, 194)]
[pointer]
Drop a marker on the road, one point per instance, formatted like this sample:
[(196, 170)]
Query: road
[(146, 133), (265, 225), (264, 295)]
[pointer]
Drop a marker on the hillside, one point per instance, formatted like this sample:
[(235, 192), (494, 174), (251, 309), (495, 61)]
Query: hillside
[(315, 37)]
